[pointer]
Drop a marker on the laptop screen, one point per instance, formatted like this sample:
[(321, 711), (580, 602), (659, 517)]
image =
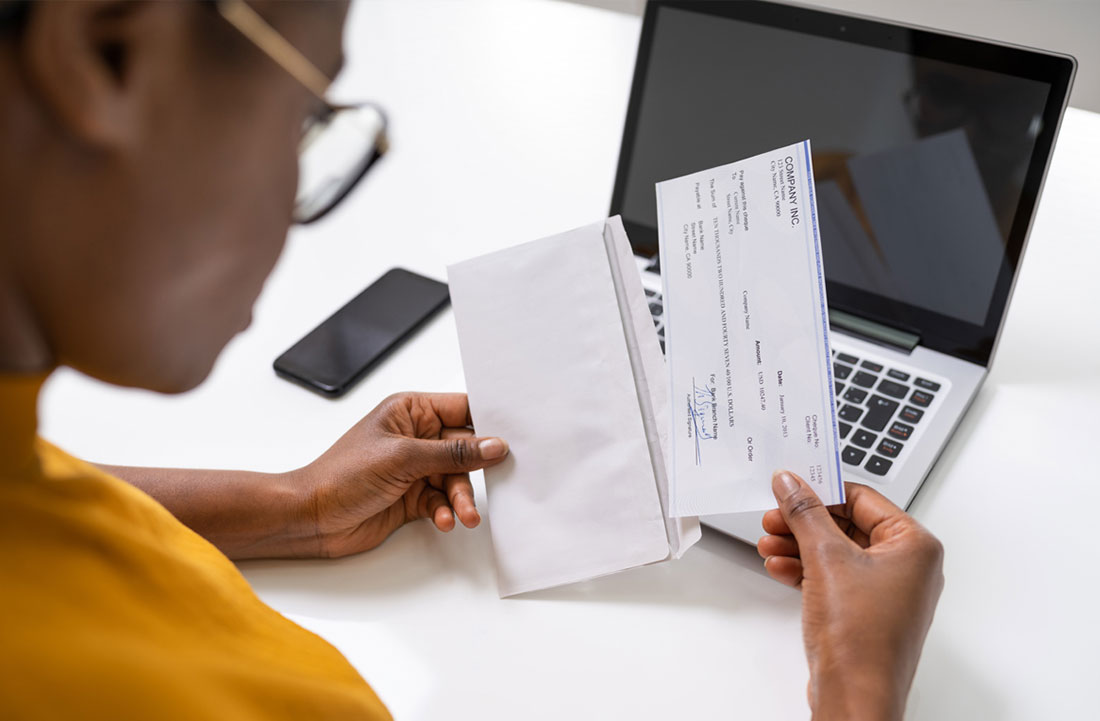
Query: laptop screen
[(925, 149)]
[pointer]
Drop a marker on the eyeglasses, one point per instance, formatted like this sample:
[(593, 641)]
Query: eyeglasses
[(339, 144)]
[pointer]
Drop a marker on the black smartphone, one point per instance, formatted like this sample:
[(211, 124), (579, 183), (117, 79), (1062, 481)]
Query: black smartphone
[(332, 357)]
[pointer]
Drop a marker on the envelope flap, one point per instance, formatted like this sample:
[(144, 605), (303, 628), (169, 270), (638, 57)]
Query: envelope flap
[(650, 377)]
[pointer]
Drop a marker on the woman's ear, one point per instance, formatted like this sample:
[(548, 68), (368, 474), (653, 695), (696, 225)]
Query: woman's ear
[(79, 64)]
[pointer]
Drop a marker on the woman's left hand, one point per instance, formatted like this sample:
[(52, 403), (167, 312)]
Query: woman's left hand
[(409, 458)]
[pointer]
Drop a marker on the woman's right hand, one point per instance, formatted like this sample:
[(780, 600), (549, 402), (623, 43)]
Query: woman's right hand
[(870, 577)]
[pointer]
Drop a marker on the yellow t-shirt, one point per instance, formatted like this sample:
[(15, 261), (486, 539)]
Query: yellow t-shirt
[(110, 608)]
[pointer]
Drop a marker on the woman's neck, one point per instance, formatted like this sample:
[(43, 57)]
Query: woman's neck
[(23, 345)]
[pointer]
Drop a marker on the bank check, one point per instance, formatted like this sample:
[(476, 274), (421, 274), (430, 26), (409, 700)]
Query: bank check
[(747, 334)]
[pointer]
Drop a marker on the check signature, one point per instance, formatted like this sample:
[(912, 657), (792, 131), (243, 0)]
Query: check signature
[(700, 408)]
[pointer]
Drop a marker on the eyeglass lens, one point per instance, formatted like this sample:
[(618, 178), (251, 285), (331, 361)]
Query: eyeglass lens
[(335, 153)]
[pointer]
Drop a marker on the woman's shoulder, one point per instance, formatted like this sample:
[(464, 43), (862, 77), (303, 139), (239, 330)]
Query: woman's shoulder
[(110, 606)]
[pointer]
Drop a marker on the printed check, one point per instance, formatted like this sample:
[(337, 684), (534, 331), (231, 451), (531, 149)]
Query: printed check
[(747, 334)]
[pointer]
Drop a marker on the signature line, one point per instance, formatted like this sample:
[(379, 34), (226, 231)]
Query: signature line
[(702, 397)]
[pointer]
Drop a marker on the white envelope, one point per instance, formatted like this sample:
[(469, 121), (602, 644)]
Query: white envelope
[(562, 360)]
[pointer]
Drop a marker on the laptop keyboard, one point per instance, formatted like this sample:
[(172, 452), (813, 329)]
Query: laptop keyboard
[(657, 308), (881, 406), (880, 410)]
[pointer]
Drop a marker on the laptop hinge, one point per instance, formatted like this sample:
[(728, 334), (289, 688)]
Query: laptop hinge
[(872, 331)]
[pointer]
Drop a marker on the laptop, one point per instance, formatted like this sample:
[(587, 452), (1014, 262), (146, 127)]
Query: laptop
[(929, 154)]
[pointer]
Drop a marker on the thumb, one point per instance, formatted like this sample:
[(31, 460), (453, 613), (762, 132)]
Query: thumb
[(804, 512), (453, 455)]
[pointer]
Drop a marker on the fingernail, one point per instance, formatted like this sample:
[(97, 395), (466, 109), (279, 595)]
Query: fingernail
[(492, 448), (783, 484)]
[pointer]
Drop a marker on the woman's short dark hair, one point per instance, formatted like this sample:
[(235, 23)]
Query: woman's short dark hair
[(13, 13)]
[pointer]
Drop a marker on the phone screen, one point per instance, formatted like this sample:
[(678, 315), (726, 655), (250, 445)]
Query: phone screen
[(335, 354)]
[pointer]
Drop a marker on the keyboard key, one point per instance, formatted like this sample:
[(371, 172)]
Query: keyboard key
[(871, 366), (850, 413), (889, 448), (879, 465), (840, 371), (852, 456), (879, 411), (864, 379), (650, 293), (839, 387), (909, 414), (900, 430), (892, 389), (855, 395), (864, 439), (920, 398), (655, 308), (662, 342), (897, 374), (927, 384), (657, 322), (844, 429), (850, 359)]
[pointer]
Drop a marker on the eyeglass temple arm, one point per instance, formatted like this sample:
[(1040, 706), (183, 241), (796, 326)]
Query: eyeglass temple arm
[(250, 24)]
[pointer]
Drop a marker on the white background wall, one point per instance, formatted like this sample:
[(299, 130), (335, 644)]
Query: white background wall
[(1068, 26)]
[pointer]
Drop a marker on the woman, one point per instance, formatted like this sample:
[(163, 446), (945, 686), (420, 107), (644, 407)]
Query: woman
[(148, 174)]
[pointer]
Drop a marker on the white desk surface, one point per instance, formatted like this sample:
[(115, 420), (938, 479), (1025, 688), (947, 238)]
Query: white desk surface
[(506, 122)]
